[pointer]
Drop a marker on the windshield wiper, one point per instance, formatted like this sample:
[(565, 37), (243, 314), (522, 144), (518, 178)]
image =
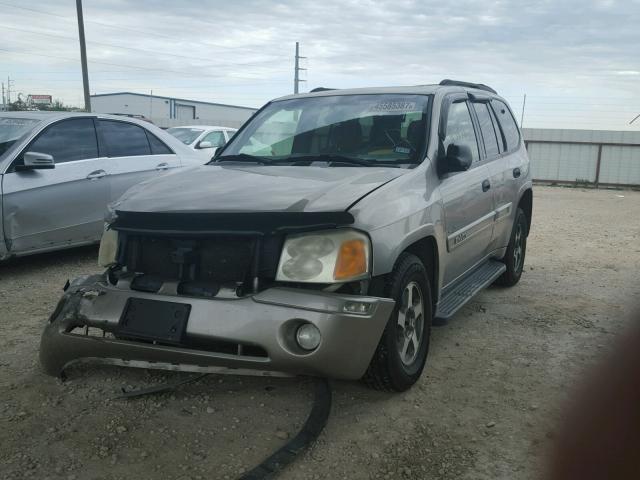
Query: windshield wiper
[(331, 159), (241, 157)]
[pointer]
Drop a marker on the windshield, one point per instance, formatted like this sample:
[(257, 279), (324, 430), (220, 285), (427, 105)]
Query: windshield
[(11, 129), (367, 129), (185, 135)]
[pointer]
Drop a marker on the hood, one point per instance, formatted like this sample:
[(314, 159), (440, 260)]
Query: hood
[(234, 188)]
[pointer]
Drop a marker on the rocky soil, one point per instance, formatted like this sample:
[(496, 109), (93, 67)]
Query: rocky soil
[(487, 406)]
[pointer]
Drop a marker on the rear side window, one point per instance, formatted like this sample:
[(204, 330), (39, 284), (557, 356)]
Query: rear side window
[(124, 139), (157, 146), (486, 127), (68, 140), (460, 129), (508, 124)]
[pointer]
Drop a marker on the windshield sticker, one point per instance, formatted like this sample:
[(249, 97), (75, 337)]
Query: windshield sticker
[(394, 106), (404, 150)]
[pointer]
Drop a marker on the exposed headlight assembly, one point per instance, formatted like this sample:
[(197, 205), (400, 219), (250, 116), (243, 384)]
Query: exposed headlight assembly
[(108, 247), (325, 257)]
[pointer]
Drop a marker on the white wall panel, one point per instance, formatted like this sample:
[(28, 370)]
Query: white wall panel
[(620, 165), (563, 162)]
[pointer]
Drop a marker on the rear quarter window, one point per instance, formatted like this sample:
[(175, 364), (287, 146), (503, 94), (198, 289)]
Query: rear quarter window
[(507, 123), (124, 139)]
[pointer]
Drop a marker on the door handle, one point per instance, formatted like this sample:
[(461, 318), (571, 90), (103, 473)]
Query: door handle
[(162, 166), (486, 185), (516, 172), (95, 175)]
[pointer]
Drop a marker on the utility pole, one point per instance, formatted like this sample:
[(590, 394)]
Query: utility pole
[(4, 103), (296, 72), (524, 102), (9, 82), (83, 57)]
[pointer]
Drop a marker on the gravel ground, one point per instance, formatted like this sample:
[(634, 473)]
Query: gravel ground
[(487, 406)]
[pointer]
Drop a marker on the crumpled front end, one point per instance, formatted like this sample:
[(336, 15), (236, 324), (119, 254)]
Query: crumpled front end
[(99, 321)]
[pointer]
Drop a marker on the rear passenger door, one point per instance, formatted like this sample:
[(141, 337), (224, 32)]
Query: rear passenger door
[(64, 205), (507, 169), (467, 197), (135, 154)]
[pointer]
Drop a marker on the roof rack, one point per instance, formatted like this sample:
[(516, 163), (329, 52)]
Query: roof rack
[(457, 83), (321, 89)]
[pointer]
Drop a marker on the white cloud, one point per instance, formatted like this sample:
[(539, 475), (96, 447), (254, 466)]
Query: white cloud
[(565, 55)]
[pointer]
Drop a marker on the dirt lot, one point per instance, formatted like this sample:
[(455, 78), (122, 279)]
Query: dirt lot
[(486, 407)]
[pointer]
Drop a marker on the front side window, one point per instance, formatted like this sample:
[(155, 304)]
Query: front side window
[(369, 129), (486, 127), (124, 139), (216, 138), (68, 140), (185, 135), (508, 124), (460, 129)]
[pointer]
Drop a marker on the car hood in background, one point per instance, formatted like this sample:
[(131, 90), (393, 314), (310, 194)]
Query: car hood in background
[(234, 188)]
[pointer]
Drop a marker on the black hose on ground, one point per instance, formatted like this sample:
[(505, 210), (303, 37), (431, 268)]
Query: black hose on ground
[(310, 431), (286, 454)]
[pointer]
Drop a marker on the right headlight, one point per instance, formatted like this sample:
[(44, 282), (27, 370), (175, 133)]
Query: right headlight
[(108, 252), (325, 257)]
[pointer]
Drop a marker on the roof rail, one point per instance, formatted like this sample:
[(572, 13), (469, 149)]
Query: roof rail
[(457, 83), (321, 89)]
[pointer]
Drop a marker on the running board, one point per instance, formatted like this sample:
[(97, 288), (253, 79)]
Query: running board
[(455, 299)]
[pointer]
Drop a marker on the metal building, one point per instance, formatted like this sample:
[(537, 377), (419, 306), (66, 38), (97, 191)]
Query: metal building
[(168, 112), (596, 157)]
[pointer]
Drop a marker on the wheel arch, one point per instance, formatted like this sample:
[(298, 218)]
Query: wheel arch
[(426, 249), (526, 204)]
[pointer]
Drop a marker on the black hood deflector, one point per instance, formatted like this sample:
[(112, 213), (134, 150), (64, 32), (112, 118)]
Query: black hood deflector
[(261, 223)]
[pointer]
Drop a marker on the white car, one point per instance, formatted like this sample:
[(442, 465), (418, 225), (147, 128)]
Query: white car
[(204, 139)]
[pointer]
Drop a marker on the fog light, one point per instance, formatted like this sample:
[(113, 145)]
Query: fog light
[(308, 336), (361, 308)]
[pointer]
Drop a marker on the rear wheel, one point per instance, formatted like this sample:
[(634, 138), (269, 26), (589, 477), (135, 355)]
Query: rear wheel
[(514, 258), (402, 352)]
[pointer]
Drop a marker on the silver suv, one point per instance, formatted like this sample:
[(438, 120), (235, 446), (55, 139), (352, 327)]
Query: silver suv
[(325, 238)]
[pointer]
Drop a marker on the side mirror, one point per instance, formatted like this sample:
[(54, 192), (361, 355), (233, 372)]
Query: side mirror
[(205, 145), (457, 159), (37, 161)]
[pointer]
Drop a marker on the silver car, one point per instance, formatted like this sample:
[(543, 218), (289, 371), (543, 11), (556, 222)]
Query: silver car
[(325, 238), (58, 172)]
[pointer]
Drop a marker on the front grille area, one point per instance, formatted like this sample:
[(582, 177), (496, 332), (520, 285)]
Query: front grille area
[(219, 260), (200, 265)]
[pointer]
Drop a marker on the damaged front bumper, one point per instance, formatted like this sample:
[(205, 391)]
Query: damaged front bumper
[(244, 335)]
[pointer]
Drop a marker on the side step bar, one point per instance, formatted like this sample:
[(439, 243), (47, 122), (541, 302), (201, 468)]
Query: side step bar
[(454, 299)]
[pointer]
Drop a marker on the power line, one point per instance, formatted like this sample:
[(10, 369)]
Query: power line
[(47, 34), (134, 67), (120, 27)]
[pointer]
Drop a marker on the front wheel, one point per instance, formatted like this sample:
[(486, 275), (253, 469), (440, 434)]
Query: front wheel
[(402, 352), (514, 258)]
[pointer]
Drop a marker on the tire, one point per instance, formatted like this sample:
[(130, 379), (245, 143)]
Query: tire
[(397, 363), (516, 250)]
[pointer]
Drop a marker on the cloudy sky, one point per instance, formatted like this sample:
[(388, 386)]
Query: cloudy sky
[(578, 62)]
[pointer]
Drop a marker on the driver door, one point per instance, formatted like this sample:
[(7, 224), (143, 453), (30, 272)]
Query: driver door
[(467, 198), (62, 206)]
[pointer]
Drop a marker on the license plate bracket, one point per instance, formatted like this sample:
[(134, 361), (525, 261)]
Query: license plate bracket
[(154, 320)]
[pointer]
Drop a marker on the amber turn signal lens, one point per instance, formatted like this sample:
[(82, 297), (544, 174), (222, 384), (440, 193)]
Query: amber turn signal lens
[(352, 260)]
